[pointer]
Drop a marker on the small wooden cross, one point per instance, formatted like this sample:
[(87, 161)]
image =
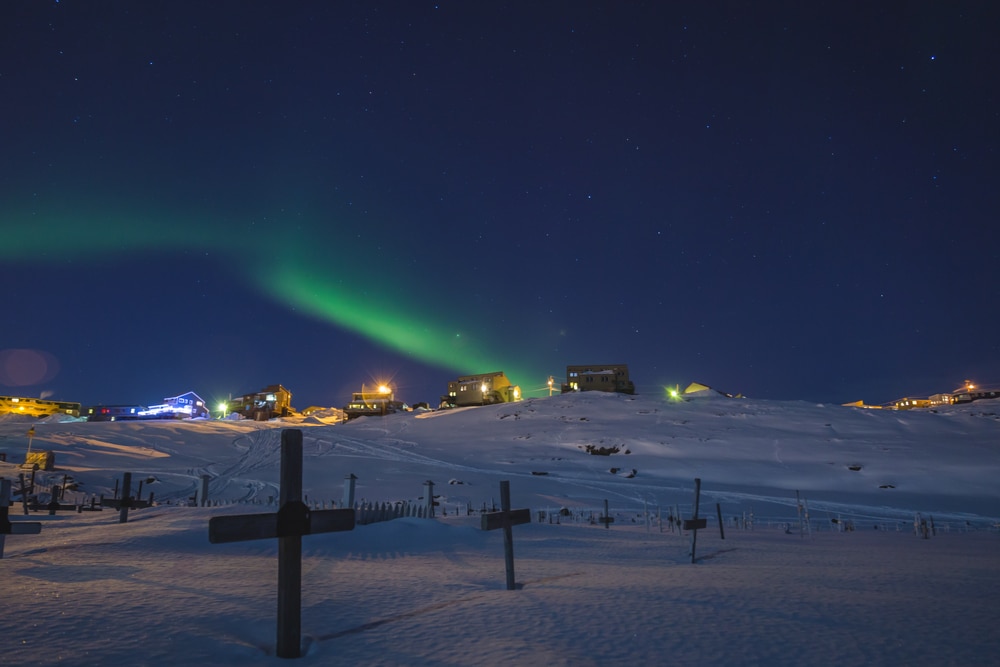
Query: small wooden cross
[(506, 518), (8, 528), (694, 524), (292, 520)]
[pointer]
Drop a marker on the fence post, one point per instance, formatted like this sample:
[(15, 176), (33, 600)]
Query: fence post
[(429, 499)]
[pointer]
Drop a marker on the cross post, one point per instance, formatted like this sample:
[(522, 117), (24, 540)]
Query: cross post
[(8, 528), (24, 493), (292, 520), (506, 519), (694, 523), (350, 482), (606, 518), (126, 500)]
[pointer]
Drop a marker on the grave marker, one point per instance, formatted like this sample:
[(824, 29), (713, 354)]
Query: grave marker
[(204, 489), (8, 528), (292, 520), (126, 501), (350, 481), (24, 491), (506, 518), (694, 524), (606, 518)]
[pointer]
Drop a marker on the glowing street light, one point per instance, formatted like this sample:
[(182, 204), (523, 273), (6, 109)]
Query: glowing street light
[(551, 382)]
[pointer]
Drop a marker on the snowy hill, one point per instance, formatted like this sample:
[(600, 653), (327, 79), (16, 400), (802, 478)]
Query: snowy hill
[(747, 452), (88, 590)]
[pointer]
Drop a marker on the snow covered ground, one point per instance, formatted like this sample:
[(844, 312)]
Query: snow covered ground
[(88, 590)]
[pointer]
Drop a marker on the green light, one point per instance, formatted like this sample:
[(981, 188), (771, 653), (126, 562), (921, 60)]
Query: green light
[(403, 324), (332, 275)]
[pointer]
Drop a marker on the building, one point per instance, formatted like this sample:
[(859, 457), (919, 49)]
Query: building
[(376, 402), (271, 401), (609, 377), (699, 390), (910, 402), (481, 389), (861, 404), (185, 406), (111, 413), (37, 407)]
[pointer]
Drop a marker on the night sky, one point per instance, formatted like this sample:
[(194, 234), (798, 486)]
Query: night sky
[(788, 200)]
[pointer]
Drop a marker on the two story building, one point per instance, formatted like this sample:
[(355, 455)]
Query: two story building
[(607, 377), (480, 389)]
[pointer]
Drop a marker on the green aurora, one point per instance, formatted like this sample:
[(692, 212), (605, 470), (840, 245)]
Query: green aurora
[(337, 286)]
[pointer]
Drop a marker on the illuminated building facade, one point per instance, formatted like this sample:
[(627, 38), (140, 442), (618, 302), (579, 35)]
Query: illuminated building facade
[(608, 377), (271, 401), (481, 389), (37, 407)]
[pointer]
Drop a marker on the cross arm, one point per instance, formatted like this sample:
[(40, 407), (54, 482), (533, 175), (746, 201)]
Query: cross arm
[(494, 520)]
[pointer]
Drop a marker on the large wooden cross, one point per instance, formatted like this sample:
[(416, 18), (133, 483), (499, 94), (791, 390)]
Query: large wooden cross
[(8, 528), (506, 518), (289, 524)]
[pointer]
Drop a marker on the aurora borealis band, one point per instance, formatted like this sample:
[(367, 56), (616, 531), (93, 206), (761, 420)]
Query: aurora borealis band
[(330, 282), (220, 197)]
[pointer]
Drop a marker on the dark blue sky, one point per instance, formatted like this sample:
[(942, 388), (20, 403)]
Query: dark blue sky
[(789, 200)]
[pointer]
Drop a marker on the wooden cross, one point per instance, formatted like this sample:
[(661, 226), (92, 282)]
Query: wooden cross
[(606, 519), (126, 501), (506, 518), (292, 520), (8, 528), (694, 524)]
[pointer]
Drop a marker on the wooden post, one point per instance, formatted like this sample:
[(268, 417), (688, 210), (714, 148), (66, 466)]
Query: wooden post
[(718, 513), (295, 515), (8, 528), (349, 484), (506, 519), (53, 505), (126, 500), (429, 499), (607, 519), (292, 520), (694, 524), (24, 493), (204, 490), (798, 507)]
